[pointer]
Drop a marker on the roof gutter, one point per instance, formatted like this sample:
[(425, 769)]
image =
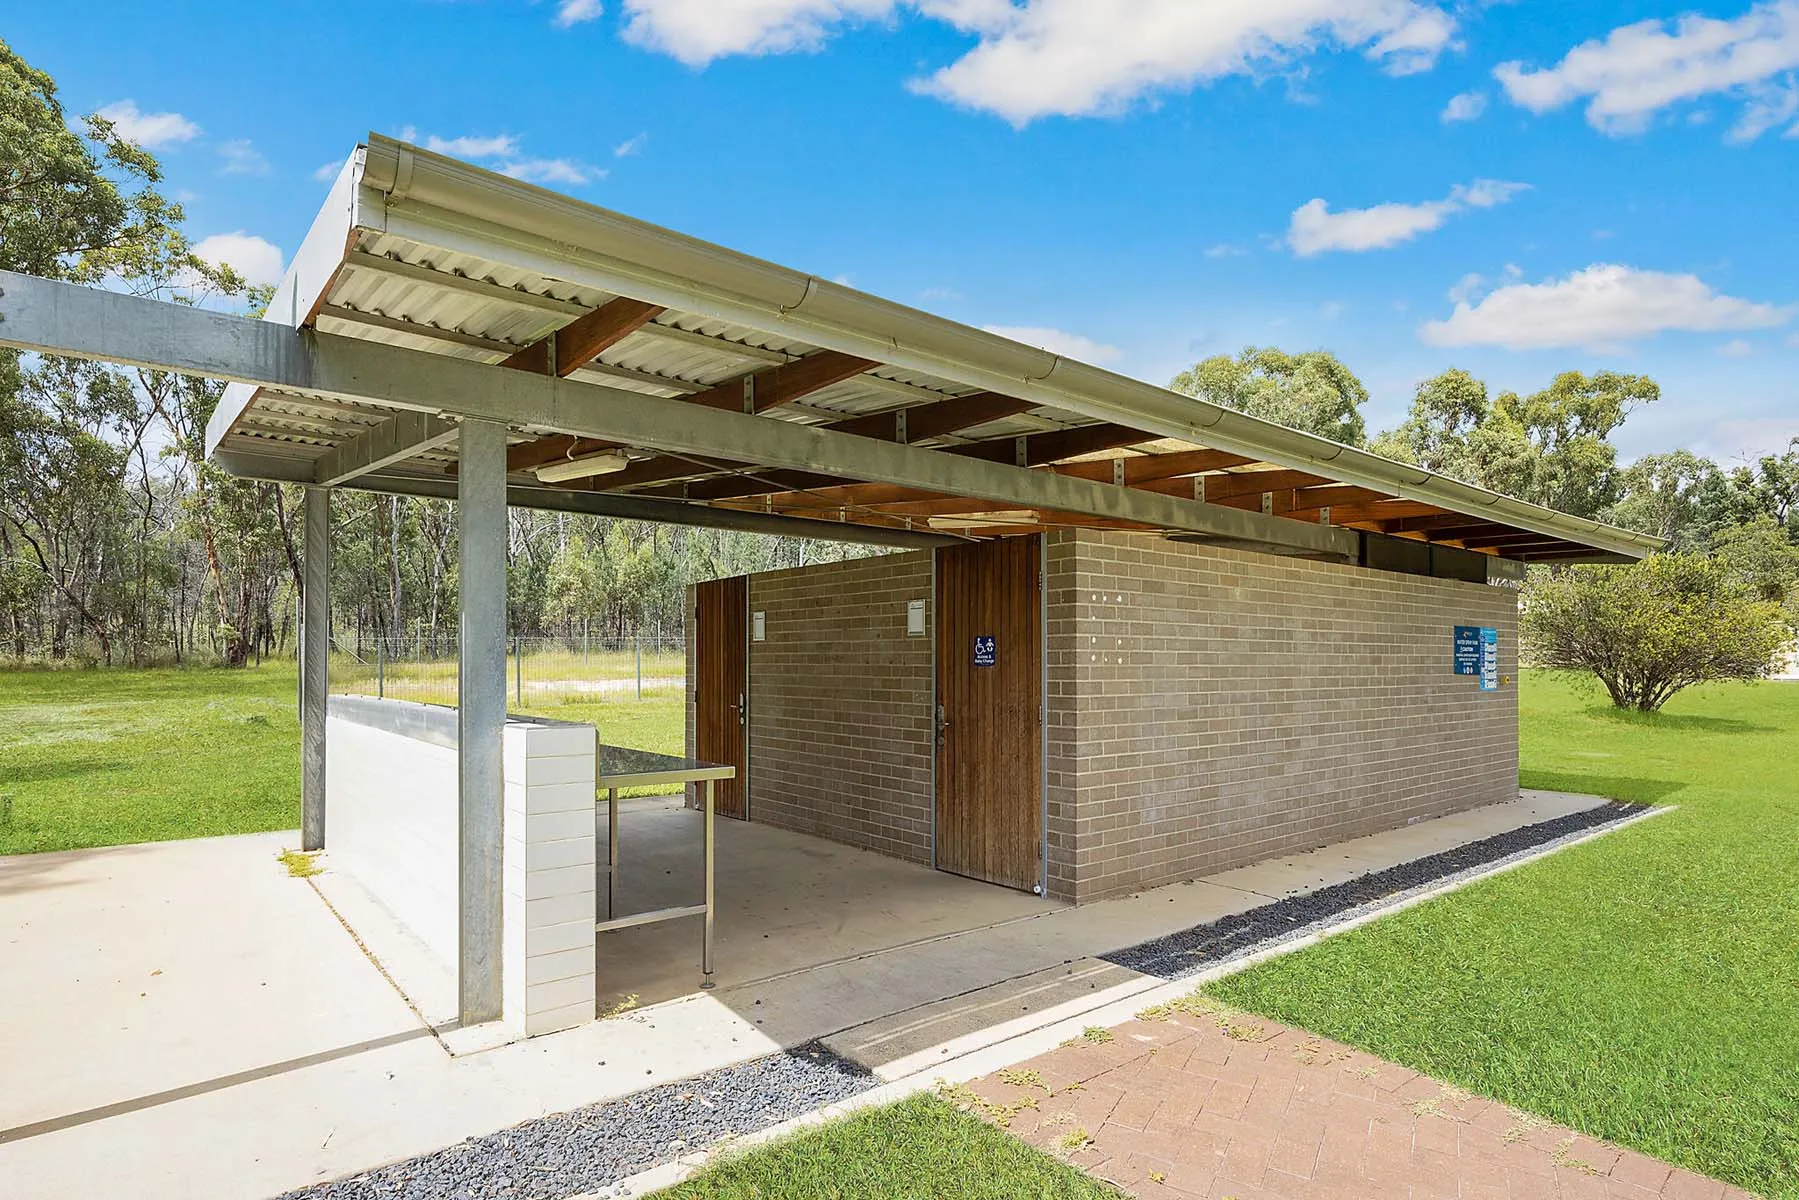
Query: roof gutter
[(444, 202)]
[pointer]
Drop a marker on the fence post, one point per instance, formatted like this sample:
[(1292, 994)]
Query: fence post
[(518, 669), (640, 666), (381, 669)]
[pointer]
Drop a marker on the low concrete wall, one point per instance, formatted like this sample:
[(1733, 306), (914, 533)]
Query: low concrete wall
[(391, 823)]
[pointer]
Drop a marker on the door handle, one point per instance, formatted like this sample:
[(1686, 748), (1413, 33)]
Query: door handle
[(942, 724), (742, 710)]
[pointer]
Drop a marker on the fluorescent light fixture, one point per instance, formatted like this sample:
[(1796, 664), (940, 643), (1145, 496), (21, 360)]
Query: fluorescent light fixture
[(1018, 516), (565, 469)]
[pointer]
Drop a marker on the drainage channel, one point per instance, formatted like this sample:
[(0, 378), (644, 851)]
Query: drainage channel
[(592, 1148), (1189, 951)]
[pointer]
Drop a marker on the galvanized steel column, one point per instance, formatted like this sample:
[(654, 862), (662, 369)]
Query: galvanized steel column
[(315, 657), (481, 681)]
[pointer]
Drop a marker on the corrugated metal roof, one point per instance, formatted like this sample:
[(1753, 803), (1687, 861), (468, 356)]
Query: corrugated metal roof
[(410, 291)]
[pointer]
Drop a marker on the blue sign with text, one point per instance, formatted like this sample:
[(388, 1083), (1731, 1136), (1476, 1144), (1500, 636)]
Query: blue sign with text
[(1489, 660), (986, 650), (1467, 649)]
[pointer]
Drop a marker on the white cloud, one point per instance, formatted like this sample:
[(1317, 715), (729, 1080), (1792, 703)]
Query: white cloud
[(499, 145), (1226, 250), (1330, 310), (257, 260), (503, 154), (1637, 70), (698, 31), (630, 146), (1747, 439), (152, 131), (329, 171), (242, 158), (1076, 58), (1793, 340), (1038, 58), (551, 170), (1467, 287), (1314, 228), (575, 12), (1056, 341), (1465, 107), (1601, 308), (1736, 348)]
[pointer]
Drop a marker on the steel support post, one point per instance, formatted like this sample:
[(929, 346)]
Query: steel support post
[(315, 659), (481, 724)]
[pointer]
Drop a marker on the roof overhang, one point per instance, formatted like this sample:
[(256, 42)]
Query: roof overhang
[(735, 386)]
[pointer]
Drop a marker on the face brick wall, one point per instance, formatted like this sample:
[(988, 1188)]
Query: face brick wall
[(1211, 708), (840, 704)]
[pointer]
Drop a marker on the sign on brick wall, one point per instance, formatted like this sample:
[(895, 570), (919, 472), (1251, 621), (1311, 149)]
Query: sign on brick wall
[(1477, 654)]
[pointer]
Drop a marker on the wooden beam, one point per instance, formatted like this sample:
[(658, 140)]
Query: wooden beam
[(1509, 541), (1436, 521), (1254, 483), (585, 338), (774, 386), (924, 421), (1148, 471), (755, 392)]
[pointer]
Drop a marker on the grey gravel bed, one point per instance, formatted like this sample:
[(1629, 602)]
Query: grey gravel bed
[(591, 1148), (1189, 951)]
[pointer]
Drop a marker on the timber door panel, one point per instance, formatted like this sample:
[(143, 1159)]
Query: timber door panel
[(721, 686), (989, 731)]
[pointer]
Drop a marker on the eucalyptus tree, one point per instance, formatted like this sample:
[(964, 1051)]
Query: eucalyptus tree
[(1311, 391)]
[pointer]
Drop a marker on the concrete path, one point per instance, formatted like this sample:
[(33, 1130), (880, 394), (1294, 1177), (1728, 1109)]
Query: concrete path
[(1203, 1105), (186, 1020)]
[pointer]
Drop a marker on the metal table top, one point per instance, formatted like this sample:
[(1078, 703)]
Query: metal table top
[(627, 766)]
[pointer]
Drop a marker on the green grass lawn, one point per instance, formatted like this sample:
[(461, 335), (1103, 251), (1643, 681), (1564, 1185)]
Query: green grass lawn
[(110, 757), (920, 1147), (1643, 987)]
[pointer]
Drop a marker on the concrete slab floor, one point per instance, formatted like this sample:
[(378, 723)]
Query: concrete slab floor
[(220, 1086), (786, 902)]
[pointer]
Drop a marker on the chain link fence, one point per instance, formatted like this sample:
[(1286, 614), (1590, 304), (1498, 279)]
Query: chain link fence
[(539, 670)]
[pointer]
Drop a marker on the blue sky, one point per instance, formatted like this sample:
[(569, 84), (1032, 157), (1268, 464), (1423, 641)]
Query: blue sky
[(1513, 188)]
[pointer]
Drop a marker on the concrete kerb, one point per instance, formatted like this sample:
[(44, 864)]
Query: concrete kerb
[(1026, 1037)]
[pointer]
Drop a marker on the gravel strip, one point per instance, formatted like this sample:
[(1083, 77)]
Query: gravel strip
[(592, 1148), (1178, 955)]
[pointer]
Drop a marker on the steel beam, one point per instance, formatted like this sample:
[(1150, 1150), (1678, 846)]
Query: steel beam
[(403, 436), (481, 716), (277, 469), (60, 318), (315, 659)]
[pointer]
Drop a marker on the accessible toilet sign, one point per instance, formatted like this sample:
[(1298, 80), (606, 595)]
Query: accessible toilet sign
[(986, 650)]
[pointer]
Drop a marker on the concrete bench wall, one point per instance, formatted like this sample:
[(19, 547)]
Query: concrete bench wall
[(391, 804)]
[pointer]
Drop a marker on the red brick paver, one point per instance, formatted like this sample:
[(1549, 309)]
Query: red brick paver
[(1198, 1107)]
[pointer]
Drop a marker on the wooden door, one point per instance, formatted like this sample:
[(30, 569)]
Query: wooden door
[(721, 686), (989, 716)]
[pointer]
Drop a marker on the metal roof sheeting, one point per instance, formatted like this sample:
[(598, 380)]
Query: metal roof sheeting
[(421, 251)]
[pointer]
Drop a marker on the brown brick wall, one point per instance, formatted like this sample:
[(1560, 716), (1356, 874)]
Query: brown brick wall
[(1210, 708), (840, 704)]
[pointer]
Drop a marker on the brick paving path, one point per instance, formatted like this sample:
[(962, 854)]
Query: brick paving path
[(1200, 1106)]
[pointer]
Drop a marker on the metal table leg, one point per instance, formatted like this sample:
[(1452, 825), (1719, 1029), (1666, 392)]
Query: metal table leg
[(611, 851), (706, 945)]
